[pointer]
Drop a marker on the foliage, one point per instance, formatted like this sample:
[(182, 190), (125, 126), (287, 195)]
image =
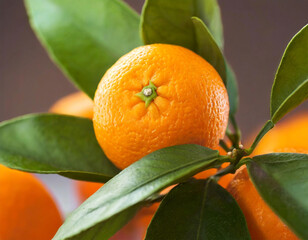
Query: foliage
[(290, 87), (85, 38), (205, 204)]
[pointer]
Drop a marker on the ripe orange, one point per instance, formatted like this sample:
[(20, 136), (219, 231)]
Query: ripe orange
[(80, 105), (262, 222), (158, 96), (86, 189), (137, 227), (27, 211), (76, 104), (289, 136)]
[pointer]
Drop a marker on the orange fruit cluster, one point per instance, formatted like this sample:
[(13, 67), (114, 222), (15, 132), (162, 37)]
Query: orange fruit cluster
[(27, 211), (290, 136), (158, 96)]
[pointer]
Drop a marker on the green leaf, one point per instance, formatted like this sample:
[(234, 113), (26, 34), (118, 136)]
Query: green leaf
[(207, 48), (198, 210), (166, 21), (83, 37), (106, 229), (137, 183), (232, 89), (209, 12), (290, 87), (50, 143), (282, 181)]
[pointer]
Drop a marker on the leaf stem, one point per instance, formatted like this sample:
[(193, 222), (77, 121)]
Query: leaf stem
[(237, 155), (236, 136), (223, 144), (231, 137), (235, 126), (230, 169), (268, 126), (243, 162)]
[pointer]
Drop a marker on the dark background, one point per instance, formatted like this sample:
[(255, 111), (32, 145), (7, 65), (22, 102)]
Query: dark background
[(256, 34)]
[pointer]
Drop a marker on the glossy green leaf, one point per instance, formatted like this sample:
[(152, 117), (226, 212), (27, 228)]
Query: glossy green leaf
[(290, 87), (209, 50), (198, 210), (50, 143), (282, 181), (137, 183), (106, 229), (84, 37), (207, 47), (232, 88), (169, 21)]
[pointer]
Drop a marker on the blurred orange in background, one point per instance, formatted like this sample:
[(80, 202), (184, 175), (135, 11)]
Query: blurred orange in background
[(291, 135), (27, 211), (262, 222), (76, 104)]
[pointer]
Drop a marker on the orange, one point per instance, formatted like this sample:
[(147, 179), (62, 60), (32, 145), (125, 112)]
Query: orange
[(86, 189), (76, 104), (79, 104), (158, 96), (27, 211), (262, 222), (291, 135)]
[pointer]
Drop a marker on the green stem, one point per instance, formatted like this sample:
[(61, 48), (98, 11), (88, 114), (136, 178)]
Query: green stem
[(236, 136), (242, 162), (230, 169), (223, 144), (233, 138), (236, 164), (148, 94), (235, 126), (268, 126)]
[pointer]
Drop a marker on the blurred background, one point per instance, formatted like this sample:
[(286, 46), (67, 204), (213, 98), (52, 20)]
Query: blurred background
[(256, 34)]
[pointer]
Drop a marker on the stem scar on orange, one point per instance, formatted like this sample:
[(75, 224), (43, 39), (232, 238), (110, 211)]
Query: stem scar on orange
[(27, 211), (157, 96)]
